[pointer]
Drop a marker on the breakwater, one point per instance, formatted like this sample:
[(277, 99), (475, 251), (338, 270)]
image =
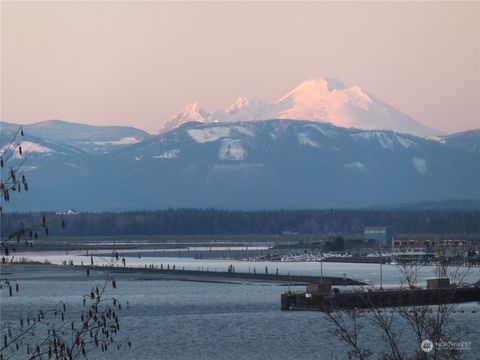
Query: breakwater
[(206, 275), (378, 299)]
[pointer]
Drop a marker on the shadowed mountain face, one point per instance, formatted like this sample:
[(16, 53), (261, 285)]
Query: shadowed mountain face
[(246, 165), (466, 140), (321, 100)]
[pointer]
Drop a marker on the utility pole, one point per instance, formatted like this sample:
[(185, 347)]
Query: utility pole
[(381, 275), (289, 281), (321, 271)]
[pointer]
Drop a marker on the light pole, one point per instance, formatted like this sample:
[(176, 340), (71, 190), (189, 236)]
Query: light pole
[(321, 271), (381, 275)]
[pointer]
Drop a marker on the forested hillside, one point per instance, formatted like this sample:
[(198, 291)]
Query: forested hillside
[(211, 221)]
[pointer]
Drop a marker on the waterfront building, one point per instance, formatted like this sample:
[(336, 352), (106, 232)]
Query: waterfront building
[(381, 234)]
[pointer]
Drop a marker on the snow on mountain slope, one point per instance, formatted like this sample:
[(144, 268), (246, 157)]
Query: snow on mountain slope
[(438, 139), (420, 165), (466, 140), (169, 154), (315, 100), (231, 149), (388, 140), (29, 148), (93, 139), (192, 112), (217, 132), (123, 141), (322, 100), (251, 165), (303, 139), (39, 154)]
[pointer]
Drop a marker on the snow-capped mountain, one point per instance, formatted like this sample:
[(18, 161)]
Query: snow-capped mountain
[(191, 113), (322, 100), (89, 138), (250, 165)]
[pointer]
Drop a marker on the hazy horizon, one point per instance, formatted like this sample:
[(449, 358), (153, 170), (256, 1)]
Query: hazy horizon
[(137, 64)]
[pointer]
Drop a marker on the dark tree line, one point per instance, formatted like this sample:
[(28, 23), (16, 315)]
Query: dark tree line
[(223, 222)]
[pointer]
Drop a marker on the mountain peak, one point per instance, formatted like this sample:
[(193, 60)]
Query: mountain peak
[(241, 102), (322, 100), (334, 84), (191, 112), (192, 108), (326, 100), (321, 88), (319, 85)]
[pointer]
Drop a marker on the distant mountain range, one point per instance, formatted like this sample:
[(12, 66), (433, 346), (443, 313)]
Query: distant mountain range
[(322, 100), (263, 164), (92, 139)]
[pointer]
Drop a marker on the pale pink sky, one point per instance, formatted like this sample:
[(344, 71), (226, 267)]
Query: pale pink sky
[(138, 63)]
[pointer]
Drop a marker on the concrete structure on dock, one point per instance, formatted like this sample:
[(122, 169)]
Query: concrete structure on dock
[(319, 288)]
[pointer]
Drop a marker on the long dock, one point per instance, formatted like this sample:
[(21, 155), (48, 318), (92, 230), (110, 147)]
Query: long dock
[(141, 273), (238, 276), (378, 299)]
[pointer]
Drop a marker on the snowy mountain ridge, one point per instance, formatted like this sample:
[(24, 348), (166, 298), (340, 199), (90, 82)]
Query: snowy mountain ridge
[(89, 138), (246, 164), (321, 100)]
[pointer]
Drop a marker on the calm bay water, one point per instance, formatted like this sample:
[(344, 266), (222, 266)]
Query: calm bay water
[(199, 320)]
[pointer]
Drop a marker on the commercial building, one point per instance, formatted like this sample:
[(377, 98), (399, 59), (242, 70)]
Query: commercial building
[(380, 234)]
